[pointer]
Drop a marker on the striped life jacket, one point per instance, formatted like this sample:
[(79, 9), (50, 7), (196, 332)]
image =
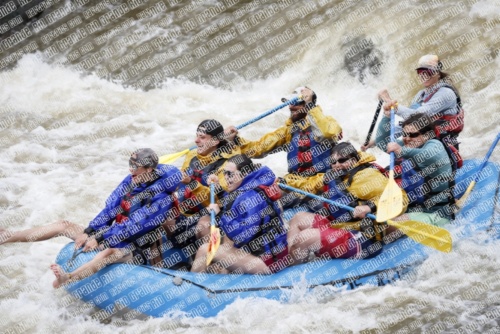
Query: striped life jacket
[(445, 124)]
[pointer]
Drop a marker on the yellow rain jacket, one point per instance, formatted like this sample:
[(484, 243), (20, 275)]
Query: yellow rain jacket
[(196, 195), (367, 184), (323, 129)]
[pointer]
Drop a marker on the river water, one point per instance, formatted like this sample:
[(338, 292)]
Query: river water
[(85, 82)]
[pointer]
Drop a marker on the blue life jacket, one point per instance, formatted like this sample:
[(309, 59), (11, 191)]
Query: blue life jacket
[(317, 153), (335, 189), (251, 219), (408, 178), (129, 204), (149, 205), (416, 183)]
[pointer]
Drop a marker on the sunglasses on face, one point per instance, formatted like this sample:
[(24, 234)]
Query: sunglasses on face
[(340, 161), (426, 72), (411, 134)]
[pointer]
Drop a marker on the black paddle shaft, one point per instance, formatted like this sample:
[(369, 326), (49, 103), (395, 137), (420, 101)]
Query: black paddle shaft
[(379, 106)]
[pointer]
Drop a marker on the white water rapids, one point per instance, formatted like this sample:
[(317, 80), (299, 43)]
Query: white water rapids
[(76, 102)]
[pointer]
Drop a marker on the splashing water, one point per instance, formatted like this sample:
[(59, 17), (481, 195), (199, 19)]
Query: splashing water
[(86, 82)]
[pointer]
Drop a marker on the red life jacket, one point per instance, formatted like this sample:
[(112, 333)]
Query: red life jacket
[(125, 206), (445, 124), (128, 205), (273, 192)]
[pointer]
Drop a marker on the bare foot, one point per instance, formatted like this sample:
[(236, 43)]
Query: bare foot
[(61, 276), (4, 235)]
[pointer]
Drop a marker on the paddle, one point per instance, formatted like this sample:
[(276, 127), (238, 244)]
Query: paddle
[(461, 202), (372, 126), (390, 204), (214, 242), (428, 235), (169, 158)]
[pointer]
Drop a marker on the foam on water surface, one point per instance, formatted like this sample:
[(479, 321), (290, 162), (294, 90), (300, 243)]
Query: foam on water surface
[(66, 135)]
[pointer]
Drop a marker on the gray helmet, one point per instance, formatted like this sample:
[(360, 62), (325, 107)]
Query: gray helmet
[(143, 157)]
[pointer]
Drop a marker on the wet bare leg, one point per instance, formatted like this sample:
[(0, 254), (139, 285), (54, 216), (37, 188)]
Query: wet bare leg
[(102, 259), (238, 260), (200, 260), (392, 233), (230, 258), (308, 240), (156, 256), (203, 227), (40, 233), (169, 227), (216, 268), (299, 222), (4, 235)]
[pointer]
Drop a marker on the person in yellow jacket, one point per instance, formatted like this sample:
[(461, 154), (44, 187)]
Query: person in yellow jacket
[(352, 181), (307, 136), (193, 195)]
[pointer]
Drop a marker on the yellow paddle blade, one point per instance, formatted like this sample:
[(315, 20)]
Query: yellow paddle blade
[(390, 204), (426, 234), (461, 202), (213, 244), (169, 158)]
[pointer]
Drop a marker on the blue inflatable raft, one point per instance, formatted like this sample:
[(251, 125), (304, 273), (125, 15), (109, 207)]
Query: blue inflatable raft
[(134, 291)]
